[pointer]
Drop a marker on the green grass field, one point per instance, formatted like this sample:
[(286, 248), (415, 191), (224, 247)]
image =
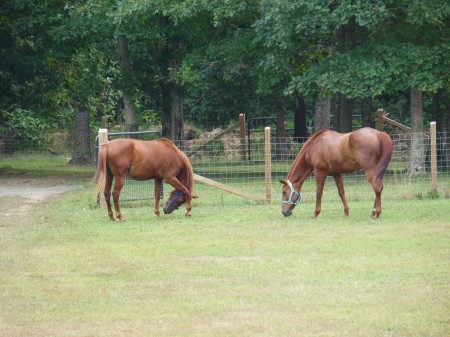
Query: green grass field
[(233, 269)]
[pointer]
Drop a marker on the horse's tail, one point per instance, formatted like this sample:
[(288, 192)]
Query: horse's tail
[(386, 147), (100, 173)]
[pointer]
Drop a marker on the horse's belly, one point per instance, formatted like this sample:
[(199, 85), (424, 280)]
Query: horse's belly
[(140, 174), (344, 167)]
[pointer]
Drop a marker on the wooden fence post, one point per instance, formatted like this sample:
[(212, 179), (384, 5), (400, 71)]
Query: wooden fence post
[(104, 122), (242, 137), (380, 119), (102, 139), (433, 157), (268, 161)]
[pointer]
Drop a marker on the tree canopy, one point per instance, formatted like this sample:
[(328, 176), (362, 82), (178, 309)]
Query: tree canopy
[(206, 61)]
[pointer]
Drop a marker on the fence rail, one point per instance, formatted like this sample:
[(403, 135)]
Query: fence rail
[(222, 161)]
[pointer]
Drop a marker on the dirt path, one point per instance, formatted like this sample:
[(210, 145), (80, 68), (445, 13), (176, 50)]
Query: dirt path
[(21, 193)]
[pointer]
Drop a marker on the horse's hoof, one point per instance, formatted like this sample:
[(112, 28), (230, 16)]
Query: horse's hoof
[(188, 214)]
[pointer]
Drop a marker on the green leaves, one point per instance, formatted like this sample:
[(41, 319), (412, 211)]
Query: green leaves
[(21, 125), (397, 45), (234, 55), (379, 69)]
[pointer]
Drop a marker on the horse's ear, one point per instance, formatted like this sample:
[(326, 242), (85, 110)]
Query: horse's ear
[(283, 181)]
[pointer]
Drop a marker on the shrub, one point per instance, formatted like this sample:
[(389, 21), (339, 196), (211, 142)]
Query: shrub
[(20, 127)]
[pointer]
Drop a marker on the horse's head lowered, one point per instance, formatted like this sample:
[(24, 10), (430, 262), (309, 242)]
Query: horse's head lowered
[(176, 199), (289, 197)]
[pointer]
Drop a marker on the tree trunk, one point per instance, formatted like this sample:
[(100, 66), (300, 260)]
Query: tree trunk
[(176, 101), (300, 125), (172, 114), (281, 146), (346, 38), (166, 121), (417, 165), (118, 111), (366, 112), (438, 115), (322, 114), (345, 114), (337, 111), (131, 123), (81, 153), (176, 116)]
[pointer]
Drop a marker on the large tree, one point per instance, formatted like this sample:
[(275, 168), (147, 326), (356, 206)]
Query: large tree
[(53, 33), (359, 50), (131, 123)]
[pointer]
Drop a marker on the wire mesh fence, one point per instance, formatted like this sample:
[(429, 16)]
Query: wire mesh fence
[(243, 167), (222, 161)]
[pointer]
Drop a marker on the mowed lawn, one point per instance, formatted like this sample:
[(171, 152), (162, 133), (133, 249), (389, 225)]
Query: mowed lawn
[(233, 269)]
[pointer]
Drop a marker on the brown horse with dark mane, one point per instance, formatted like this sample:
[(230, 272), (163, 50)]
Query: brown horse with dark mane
[(144, 160), (328, 153)]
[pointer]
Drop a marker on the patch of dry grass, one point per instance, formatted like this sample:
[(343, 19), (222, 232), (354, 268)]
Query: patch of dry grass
[(233, 269)]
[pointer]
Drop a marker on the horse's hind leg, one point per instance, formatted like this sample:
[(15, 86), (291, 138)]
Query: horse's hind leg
[(339, 180), (157, 197), (377, 188), (107, 193), (116, 194)]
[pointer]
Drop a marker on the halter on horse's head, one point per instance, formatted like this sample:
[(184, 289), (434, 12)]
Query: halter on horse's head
[(176, 199), (288, 203)]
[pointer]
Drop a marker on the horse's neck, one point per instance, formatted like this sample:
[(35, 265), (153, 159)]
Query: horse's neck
[(188, 178), (299, 171)]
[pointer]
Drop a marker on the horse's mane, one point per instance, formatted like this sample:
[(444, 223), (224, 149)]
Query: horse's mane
[(187, 163), (306, 147)]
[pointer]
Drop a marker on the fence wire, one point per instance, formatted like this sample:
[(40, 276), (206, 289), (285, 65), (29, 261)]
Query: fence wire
[(244, 169), (222, 161)]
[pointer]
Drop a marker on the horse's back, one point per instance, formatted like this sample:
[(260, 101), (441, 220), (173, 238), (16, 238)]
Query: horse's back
[(136, 147), (336, 152)]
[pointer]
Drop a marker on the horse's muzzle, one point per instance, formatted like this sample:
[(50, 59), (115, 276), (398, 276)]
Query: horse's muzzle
[(167, 210), (286, 212)]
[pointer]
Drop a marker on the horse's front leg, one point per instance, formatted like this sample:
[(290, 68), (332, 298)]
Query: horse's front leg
[(179, 186), (339, 180), (188, 206), (116, 194), (320, 183), (157, 197)]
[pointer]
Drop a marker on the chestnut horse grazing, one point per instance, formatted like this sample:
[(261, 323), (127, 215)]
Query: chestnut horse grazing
[(144, 160), (328, 153)]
